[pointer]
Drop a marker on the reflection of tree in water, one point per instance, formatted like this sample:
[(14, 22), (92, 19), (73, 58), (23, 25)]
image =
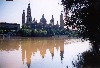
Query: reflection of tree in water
[(87, 20), (9, 44)]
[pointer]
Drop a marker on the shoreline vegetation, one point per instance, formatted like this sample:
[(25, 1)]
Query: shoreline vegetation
[(29, 32), (89, 59)]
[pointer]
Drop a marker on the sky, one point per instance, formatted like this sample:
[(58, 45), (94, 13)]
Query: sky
[(11, 11)]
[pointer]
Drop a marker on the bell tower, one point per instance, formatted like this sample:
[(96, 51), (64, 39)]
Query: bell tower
[(23, 18), (29, 17), (61, 21)]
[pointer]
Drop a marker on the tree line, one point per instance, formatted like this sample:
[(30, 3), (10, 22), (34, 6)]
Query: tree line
[(29, 32)]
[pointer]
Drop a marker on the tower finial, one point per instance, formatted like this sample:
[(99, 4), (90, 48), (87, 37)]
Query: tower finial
[(29, 4), (52, 16), (23, 10), (43, 16)]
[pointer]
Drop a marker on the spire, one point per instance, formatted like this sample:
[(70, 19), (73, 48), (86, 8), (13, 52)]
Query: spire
[(57, 23), (61, 21), (52, 21), (29, 4), (61, 14), (34, 19), (23, 11), (43, 16), (52, 16), (29, 17), (43, 20), (23, 18)]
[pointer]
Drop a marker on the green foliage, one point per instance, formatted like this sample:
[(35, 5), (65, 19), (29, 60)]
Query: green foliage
[(24, 31), (25, 27), (28, 32), (1, 31)]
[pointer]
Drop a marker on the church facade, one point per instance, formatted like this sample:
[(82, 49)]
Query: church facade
[(43, 22)]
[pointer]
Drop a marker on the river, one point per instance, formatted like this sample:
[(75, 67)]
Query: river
[(41, 52)]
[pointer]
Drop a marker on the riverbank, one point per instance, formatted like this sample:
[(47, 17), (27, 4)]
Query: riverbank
[(57, 36)]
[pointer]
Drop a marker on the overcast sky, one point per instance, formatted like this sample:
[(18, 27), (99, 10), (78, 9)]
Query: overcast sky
[(11, 11)]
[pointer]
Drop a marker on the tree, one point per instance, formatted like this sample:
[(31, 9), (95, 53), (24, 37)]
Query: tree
[(85, 16)]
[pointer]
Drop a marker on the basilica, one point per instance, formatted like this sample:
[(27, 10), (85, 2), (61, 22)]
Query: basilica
[(32, 23)]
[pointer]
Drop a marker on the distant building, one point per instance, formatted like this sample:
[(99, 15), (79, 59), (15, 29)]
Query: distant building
[(52, 21), (11, 26), (29, 22), (56, 26), (34, 21), (23, 18), (61, 21), (57, 23), (43, 20), (29, 17)]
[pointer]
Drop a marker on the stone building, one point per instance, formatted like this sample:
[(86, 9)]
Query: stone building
[(23, 18), (29, 17), (43, 20), (10, 26), (61, 21), (52, 21)]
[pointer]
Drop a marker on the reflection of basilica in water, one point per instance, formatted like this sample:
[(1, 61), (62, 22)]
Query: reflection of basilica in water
[(41, 52), (31, 47)]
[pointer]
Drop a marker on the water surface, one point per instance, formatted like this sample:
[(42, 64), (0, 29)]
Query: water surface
[(41, 52)]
